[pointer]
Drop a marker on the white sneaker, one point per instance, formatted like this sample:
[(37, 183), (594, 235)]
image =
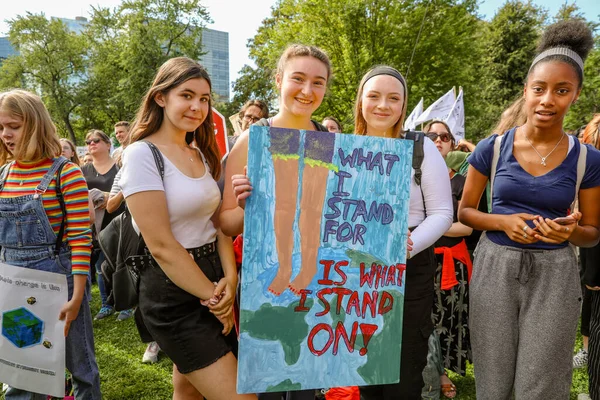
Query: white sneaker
[(151, 353), (580, 359), (584, 396)]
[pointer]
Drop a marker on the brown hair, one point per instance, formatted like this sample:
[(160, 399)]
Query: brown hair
[(513, 116), (334, 120), (300, 50), (360, 124), (97, 132), (150, 116), (264, 109), (591, 133), (39, 139), (122, 123), (75, 157), (427, 128)]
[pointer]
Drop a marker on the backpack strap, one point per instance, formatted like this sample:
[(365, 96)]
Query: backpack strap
[(4, 174), (495, 158), (581, 162), (160, 165), (418, 139), (418, 153), (158, 158), (63, 207)]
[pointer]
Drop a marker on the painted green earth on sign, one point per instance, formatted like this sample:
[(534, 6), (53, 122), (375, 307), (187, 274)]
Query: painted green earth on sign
[(280, 324)]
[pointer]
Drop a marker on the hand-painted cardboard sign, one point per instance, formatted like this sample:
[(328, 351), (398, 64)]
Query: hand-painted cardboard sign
[(324, 259), (32, 341)]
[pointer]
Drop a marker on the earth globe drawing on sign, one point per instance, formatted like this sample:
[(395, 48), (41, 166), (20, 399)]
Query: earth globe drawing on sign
[(22, 328)]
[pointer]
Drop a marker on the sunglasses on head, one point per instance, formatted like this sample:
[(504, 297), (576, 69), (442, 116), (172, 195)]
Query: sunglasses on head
[(444, 137), (95, 140)]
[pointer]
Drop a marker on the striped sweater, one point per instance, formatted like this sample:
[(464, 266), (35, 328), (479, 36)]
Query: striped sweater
[(24, 177)]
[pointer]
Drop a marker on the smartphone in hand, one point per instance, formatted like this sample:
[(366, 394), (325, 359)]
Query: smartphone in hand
[(564, 220)]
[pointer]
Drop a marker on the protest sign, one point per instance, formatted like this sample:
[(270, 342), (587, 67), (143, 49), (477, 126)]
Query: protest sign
[(324, 260), (32, 343)]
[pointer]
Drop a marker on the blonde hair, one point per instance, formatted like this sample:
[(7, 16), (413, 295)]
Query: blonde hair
[(591, 133), (75, 158), (360, 124), (301, 50), (39, 140), (150, 116), (513, 116)]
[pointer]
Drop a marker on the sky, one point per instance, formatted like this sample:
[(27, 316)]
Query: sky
[(241, 18)]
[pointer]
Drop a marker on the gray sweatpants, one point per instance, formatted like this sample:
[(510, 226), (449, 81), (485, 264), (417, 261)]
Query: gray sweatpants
[(524, 307)]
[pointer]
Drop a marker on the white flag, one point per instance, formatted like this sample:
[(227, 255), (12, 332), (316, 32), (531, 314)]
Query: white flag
[(438, 110), (410, 121), (456, 118)]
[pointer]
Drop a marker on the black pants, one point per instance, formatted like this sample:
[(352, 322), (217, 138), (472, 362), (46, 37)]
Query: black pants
[(416, 328), (297, 395)]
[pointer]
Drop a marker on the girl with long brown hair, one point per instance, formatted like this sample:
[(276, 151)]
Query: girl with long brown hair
[(189, 261)]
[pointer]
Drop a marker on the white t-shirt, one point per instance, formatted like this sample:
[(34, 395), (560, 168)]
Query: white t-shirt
[(435, 183), (191, 202)]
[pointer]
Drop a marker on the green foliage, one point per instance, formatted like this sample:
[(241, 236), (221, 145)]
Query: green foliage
[(363, 33), (509, 42), (128, 45), (51, 61), (94, 79), (588, 103)]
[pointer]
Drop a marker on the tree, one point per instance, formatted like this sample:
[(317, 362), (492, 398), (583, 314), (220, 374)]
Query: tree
[(588, 103), (359, 34), (510, 44), (128, 45), (51, 61)]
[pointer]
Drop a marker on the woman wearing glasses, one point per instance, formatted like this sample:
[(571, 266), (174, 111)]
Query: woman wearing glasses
[(100, 174), (450, 310), (252, 112)]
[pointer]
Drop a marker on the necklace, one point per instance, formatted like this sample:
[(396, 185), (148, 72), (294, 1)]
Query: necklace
[(551, 151)]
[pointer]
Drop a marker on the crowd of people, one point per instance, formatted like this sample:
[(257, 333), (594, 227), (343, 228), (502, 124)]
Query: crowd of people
[(492, 274)]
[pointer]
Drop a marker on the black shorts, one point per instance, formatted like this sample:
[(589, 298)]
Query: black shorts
[(183, 328)]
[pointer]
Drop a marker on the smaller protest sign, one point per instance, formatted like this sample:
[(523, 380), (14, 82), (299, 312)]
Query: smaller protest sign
[(32, 342)]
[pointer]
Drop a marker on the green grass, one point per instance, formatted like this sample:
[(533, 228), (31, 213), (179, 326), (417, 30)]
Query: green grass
[(123, 376)]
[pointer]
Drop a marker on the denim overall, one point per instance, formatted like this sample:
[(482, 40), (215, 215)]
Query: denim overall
[(27, 240)]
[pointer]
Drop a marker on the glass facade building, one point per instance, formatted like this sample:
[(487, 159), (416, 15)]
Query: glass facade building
[(216, 61)]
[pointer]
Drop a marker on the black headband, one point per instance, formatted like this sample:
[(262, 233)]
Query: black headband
[(383, 70)]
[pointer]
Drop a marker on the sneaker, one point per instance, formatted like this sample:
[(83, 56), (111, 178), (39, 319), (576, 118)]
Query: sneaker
[(584, 396), (125, 314), (151, 353), (580, 359), (104, 312)]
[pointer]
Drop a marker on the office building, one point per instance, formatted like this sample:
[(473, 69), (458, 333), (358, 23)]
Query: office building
[(216, 61)]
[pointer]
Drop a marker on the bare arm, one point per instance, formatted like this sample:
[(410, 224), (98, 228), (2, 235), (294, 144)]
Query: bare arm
[(585, 233), (114, 202), (463, 143), (458, 230), (149, 210), (231, 216), (92, 212)]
